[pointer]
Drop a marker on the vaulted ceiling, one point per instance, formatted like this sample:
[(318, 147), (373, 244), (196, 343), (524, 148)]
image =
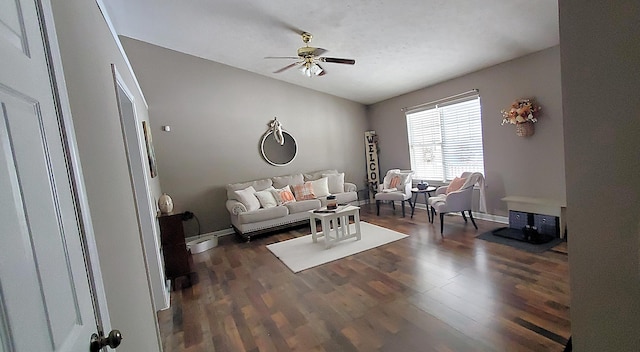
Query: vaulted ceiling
[(398, 45)]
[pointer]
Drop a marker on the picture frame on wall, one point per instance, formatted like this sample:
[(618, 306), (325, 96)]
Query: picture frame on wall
[(150, 152)]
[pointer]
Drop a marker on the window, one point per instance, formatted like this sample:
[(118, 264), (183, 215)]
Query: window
[(445, 138)]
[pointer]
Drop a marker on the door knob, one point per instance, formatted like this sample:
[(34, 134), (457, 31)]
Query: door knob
[(99, 341)]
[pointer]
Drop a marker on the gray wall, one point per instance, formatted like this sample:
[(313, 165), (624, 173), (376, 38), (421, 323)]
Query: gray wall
[(88, 49), (218, 115), (600, 85), (514, 166)]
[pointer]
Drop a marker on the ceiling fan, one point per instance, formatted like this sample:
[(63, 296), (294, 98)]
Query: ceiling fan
[(308, 59)]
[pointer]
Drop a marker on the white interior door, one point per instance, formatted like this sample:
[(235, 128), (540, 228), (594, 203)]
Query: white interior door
[(46, 302)]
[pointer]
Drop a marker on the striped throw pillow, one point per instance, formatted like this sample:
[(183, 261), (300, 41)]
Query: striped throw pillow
[(304, 191), (395, 182)]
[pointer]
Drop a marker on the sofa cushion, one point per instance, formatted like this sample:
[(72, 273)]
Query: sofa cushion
[(318, 174), (341, 198), (246, 196), (258, 185), (303, 191), (346, 197), (303, 205), (335, 182), (320, 187), (283, 195), (266, 198), (263, 214), (281, 181)]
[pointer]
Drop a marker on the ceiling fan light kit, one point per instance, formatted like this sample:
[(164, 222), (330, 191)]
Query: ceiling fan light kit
[(309, 58)]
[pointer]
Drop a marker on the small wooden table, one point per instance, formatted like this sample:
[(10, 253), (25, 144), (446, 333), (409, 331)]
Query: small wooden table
[(174, 249), (335, 224), (426, 192)]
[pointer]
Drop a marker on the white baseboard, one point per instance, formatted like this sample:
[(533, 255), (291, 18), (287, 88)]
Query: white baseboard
[(218, 233), (477, 215), (206, 241), (490, 217)]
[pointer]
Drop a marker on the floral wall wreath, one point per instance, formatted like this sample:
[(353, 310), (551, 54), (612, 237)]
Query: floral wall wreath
[(523, 113)]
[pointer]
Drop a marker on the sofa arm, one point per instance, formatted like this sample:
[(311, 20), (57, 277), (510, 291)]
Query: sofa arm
[(350, 187), (234, 207)]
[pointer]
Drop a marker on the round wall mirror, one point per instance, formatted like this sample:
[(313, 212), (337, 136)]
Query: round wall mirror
[(276, 154)]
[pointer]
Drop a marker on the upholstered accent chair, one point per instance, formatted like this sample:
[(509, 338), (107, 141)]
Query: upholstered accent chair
[(456, 197), (396, 187)]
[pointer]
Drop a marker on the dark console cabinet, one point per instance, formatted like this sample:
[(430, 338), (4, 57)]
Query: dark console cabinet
[(174, 248)]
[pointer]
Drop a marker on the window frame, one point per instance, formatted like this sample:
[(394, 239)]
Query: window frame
[(430, 130)]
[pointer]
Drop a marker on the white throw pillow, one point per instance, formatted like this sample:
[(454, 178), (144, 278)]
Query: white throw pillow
[(246, 196), (266, 198), (336, 182), (320, 187)]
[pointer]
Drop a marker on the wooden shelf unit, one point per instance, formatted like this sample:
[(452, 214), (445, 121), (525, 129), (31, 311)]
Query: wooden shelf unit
[(174, 247)]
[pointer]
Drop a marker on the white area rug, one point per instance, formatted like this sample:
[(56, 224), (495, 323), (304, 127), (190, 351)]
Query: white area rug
[(301, 253)]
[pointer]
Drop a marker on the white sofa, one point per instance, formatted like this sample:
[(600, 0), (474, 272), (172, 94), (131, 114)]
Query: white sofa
[(247, 223)]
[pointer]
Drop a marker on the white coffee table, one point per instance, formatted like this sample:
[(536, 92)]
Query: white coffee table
[(335, 225)]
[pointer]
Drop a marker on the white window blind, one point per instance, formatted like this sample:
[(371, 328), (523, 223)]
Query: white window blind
[(445, 139)]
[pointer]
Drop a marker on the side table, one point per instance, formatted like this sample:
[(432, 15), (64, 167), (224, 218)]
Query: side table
[(426, 192), (174, 249), (335, 224)]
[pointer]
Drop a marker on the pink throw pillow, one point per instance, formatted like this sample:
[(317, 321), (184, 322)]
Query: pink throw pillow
[(395, 182), (455, 185), (304, 191)]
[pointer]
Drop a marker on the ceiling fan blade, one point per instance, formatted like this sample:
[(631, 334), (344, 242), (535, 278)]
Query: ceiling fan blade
[(319, 51), (322, 72), (282, 57), (286, 67), (337, 60)]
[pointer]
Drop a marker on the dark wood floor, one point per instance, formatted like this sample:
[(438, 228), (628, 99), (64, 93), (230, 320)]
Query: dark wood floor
[(420, 293)]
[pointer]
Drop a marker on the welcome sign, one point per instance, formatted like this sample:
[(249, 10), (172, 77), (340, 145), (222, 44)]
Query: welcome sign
[(371, 148)]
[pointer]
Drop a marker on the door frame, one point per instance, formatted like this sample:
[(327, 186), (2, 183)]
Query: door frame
[(145, 205)]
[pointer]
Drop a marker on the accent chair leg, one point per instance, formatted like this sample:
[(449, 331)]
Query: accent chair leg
[(403, 208), (464, 216), (393, 204), (473, 221), (441, 225), (377, 207)]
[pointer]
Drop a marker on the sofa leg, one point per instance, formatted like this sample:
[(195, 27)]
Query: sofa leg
[(473, 221), (441, 224), (377, 207)]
